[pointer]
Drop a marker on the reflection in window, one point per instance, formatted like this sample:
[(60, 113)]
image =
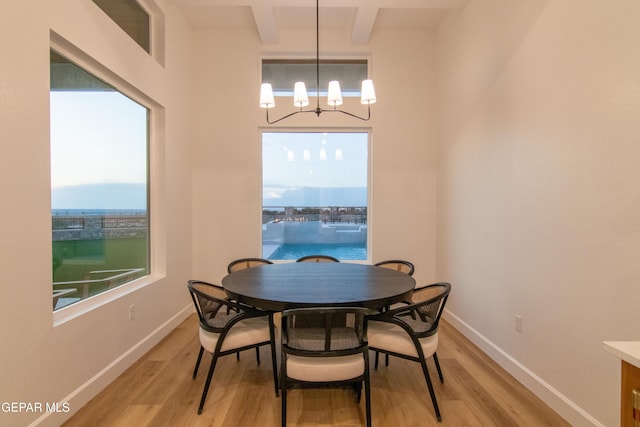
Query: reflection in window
[(99, 186), (314, 198)]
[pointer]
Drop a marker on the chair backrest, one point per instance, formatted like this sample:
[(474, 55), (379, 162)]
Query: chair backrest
[(318, 332), (317, 258), (244, 263), (215, 312), (398, 265), (420, 318)]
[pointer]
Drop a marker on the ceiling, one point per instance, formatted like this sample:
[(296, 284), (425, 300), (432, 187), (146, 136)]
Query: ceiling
[(360, 18)]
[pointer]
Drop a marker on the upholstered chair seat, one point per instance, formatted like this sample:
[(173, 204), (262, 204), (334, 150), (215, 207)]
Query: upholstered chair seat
[(244, 333), (390, 337)]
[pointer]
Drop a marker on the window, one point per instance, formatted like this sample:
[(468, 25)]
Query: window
[(283, 73), (314, 194), (99, 184), (129, 16)]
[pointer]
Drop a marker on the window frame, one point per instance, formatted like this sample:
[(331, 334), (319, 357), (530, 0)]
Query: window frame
[(368, 131), (155, 166)]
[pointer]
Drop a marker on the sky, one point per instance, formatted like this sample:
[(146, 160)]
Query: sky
[(294, 160), (98, 151), (97, 137)]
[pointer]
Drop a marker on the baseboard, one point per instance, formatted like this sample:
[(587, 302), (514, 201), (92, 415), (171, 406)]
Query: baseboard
[(79, 397), (567, 409)]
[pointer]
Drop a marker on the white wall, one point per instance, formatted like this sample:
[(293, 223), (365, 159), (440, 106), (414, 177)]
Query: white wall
[(227, 154), (539, 202), (73, 360)]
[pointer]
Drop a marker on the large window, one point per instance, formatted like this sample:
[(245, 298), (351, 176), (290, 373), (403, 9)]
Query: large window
[(99, 185), (314, 194)]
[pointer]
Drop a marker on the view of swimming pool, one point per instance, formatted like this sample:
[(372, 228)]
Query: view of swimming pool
[(342, 251)]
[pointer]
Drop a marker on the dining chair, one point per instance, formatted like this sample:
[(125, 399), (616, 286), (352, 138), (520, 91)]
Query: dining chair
[(398, 265), (322, 350), (244, 263), (402, 266), (411, 332), (317, 258), (227, 327)]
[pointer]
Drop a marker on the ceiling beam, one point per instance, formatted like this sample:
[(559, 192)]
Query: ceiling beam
[(363, 24), (265, 22)]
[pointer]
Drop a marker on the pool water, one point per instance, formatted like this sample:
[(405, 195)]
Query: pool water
[(342, 251)]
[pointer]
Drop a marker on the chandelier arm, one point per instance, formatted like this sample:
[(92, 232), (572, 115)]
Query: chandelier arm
[(351, 114), (289, 115), (318, 111)]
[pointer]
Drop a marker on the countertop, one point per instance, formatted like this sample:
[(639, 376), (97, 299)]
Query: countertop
[(629, 351)]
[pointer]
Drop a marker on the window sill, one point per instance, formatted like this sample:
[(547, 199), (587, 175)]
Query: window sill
[(73, 311)]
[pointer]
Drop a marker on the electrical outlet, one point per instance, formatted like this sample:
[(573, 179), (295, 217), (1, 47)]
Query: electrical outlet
[(132, 312), (518, 323)]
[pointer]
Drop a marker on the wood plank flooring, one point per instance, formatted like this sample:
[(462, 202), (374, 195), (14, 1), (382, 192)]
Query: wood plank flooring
[(158, 391)]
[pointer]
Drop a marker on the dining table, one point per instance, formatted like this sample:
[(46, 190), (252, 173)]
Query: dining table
[(283, 286)]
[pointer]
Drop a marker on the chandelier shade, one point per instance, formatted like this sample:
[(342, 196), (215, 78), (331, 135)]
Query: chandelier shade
[(266, 96), (368, 93), (334, 97), (334, 94), (300, 97)]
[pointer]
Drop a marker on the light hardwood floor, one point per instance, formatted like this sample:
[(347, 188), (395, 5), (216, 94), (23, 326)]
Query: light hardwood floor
[(158, 391)]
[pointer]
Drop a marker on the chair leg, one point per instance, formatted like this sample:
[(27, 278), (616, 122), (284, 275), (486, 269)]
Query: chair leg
[(284, 406), (386, 360), (258, 355), (214, 360), (283, 385), (431, 391), (195, 371), (367, 392), (435, 359), (376, 362), (237, 353), (274, 362)]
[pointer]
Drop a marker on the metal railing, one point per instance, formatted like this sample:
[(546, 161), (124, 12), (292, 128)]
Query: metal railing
[(67, 223), (329, 214), (124, 221)]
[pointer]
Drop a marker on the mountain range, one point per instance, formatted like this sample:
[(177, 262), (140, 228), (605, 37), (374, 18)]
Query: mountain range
[(100, 196)]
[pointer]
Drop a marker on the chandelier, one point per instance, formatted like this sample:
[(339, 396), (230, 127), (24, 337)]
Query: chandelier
[(334, 96)]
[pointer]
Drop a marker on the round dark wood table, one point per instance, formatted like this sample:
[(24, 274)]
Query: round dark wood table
[(278, 287)]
